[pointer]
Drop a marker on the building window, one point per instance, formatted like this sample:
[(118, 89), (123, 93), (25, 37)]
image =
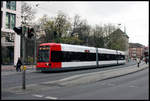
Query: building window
[(9, 37), (10, 20), (11, 5)]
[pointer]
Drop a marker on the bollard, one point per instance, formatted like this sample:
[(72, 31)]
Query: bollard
[(23, 77)]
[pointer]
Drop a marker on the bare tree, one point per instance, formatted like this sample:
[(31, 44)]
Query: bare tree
[(76, 24), (27, 12)]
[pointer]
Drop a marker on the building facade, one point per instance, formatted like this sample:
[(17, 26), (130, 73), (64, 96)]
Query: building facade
[(10, 41), (146, 52), (136, 50)]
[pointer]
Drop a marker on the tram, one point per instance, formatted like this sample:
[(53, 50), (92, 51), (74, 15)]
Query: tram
[(57, 56)]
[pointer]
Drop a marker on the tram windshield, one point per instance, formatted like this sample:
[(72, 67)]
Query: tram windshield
[(43, 54)]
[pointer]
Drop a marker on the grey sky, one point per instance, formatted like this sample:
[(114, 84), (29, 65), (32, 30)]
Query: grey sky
[(133, 15)]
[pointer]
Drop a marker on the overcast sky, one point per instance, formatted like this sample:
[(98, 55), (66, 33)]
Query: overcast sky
[(133, 15)]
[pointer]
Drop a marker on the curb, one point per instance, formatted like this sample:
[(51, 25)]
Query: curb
[(126, 73)]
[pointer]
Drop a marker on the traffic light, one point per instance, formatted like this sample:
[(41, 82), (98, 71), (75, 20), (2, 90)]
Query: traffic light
[(30, 33), (18, 30)]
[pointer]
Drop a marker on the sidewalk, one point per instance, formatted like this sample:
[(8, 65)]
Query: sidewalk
[(12, 67)]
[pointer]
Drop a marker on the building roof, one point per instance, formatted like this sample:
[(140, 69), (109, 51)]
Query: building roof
[(136, 45), (121, 32)]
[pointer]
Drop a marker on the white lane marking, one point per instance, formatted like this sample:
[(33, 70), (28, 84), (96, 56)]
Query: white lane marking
[(36, 95), (50, 97), (133, 86), (47, 97)]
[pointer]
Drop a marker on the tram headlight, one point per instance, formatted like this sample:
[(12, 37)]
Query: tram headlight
[(46, 64)]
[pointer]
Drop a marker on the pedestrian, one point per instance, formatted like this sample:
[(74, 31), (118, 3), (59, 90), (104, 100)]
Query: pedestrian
[(145, 60), (19, 63), (138, 62)]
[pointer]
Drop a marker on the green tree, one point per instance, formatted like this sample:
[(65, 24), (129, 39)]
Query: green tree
[(56, 27), (117, 41), (62, 24)]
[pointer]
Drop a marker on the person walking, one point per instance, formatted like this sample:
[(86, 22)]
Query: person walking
[(146, 60), (138, 62), (19, 63)]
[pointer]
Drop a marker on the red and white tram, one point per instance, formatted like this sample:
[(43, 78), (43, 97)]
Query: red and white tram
[(55, 56)]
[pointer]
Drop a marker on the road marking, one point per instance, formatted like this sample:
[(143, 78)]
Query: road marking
[(36, 95), (50, 97), (47, 97), (133, 86)]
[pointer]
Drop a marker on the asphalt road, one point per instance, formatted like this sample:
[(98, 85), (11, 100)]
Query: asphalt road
[(132, 86), (13, 78)]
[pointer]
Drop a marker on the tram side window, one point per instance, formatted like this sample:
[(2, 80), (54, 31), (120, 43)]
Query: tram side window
[(100, 57), (66, 56), (104, 57), (92, 57), (56, 56), (78, 56), (122, 57), (117, 57), (113, 57)]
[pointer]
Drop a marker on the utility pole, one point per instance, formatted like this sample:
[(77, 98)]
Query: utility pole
[(21, 31), (23, 58), (23, 53), (34, 49)]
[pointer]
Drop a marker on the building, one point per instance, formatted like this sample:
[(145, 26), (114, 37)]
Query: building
[(146, 52), (10, 41), (136, 50), (122, 40)]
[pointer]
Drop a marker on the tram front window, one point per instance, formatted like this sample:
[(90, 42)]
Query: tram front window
[(43, 55)]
